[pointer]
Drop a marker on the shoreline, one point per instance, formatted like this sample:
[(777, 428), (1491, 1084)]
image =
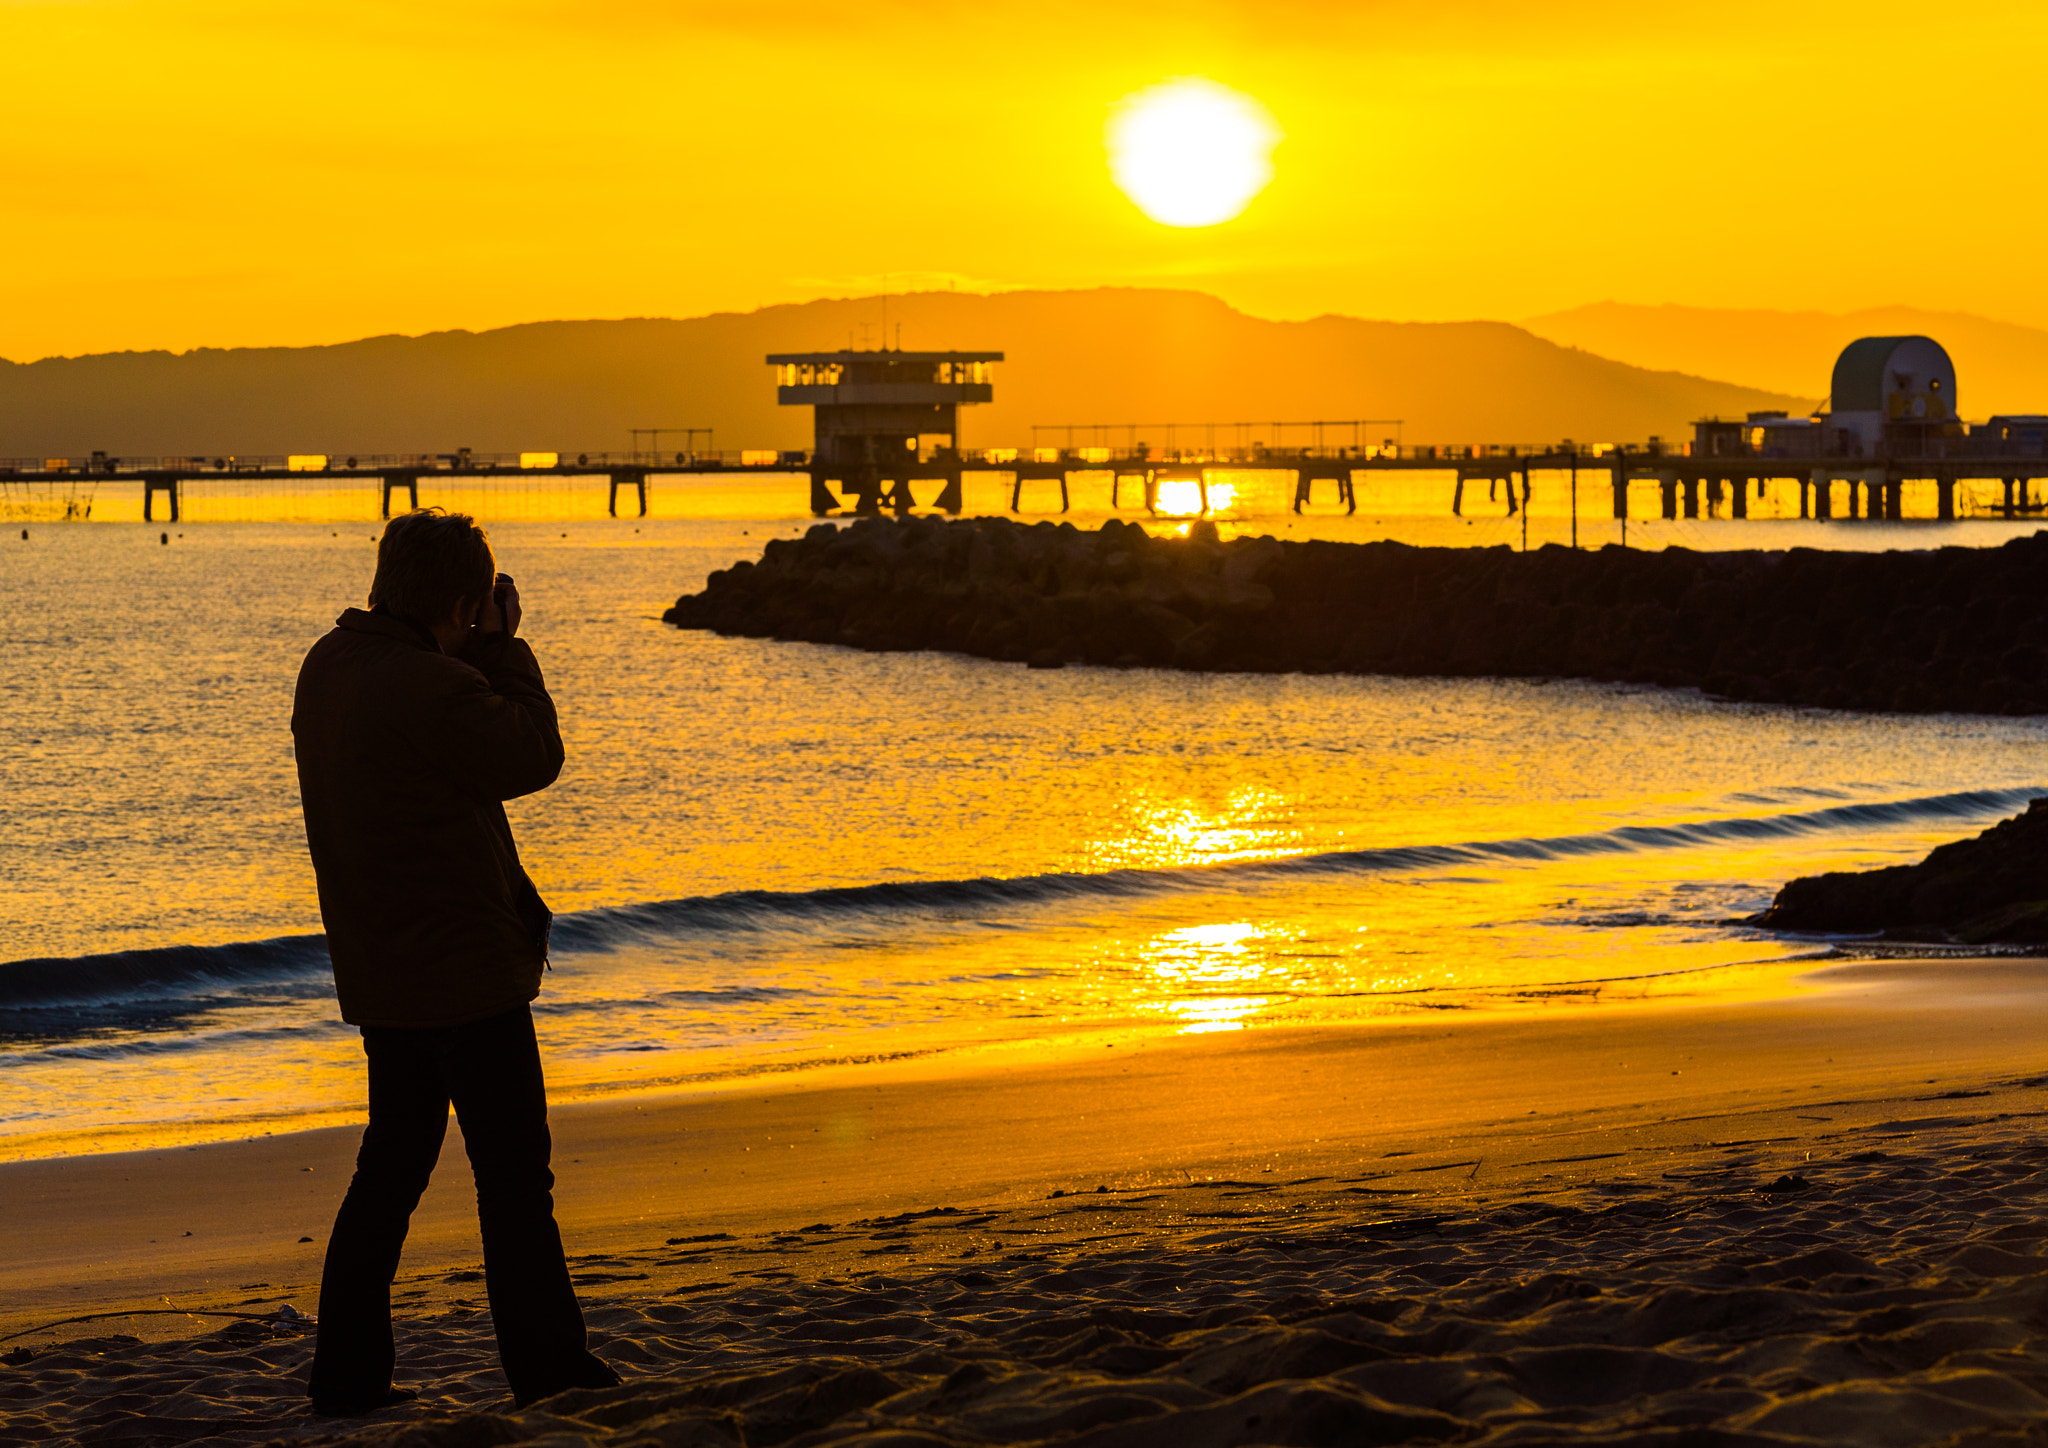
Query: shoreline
[(1719, 982), (97, 1232)]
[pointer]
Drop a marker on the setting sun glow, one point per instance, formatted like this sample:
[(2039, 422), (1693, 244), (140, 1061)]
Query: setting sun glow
[(1191, 152)]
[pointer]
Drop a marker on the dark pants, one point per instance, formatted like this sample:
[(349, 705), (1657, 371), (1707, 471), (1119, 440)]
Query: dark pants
[(490, 1070)]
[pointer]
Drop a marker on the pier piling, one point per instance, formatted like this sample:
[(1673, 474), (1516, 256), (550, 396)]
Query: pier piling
[(636, 481), (169, 488), (410, 482)]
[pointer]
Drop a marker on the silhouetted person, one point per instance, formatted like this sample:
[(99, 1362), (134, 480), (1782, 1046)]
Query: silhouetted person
[(413, 722)]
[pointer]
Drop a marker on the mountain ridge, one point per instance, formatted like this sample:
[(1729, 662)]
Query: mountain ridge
[(1105, 355)]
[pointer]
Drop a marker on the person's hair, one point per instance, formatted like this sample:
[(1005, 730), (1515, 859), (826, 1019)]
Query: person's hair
[(430, 561)]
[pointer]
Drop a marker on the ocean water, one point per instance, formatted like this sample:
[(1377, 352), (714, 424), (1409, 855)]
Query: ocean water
[(768, 856)]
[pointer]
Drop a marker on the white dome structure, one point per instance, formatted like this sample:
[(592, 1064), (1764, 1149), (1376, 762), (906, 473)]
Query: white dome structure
[(1888, 386)]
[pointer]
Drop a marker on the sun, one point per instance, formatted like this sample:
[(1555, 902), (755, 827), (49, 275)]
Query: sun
[(1191, 152)]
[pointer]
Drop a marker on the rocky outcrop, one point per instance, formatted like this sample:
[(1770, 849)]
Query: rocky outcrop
[(1993, 888), (1957, 629)]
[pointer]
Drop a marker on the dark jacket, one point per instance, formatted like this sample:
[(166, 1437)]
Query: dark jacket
[(405, 757)]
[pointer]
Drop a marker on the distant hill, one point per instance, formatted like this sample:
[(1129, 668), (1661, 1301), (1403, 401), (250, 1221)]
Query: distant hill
[(2000, 367), (1112, 355)]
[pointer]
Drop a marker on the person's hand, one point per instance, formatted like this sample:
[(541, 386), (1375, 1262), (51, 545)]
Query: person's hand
[(500, 611)]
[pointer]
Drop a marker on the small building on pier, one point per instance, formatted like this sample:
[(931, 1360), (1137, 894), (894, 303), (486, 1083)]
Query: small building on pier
[(883, 418), (1765, 435), (2012, 435)]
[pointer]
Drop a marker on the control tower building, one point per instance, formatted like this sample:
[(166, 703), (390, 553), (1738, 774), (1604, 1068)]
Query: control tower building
[(883, 420)]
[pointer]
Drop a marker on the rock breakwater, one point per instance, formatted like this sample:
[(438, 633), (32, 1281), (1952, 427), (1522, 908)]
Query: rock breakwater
[(1981, 891), (1951, 629)]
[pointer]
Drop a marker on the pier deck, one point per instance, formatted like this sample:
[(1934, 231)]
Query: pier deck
[(395, 472), (1687, 487)]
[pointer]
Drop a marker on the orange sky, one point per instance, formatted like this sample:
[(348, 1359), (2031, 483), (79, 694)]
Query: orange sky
[(183, 173)]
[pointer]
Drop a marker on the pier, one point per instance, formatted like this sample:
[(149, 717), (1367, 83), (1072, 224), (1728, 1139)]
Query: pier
[(1605, 484), (394, 475), (1602, 482), (886, 426), (1619, 483)]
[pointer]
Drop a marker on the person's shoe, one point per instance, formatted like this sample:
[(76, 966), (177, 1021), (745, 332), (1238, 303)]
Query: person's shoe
[(362, 1407), (592, 1372)]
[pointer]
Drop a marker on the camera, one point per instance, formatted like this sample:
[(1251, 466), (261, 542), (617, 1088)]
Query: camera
[(499, 590)]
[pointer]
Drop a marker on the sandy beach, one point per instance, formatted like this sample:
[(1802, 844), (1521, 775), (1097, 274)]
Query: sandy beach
[(1806, 1217)]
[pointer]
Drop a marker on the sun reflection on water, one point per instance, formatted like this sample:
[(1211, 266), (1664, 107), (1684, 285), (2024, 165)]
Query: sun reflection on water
[(1194, 961), (1248, 823)]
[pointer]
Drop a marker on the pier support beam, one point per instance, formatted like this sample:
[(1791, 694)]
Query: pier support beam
[(1667, 487), (949, 500), (1738, 499), (410, 482), (1618, 481), (1017, 490), (896, 496), (1305, 480), (172, 495), (637, 482), (1873, 494), (823, 499), (1945, 496)]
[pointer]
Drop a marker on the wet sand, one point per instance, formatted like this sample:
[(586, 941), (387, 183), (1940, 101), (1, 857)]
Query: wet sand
[(1806, 1218)]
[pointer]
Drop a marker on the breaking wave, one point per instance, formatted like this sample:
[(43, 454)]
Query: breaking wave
[(55, 993)]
